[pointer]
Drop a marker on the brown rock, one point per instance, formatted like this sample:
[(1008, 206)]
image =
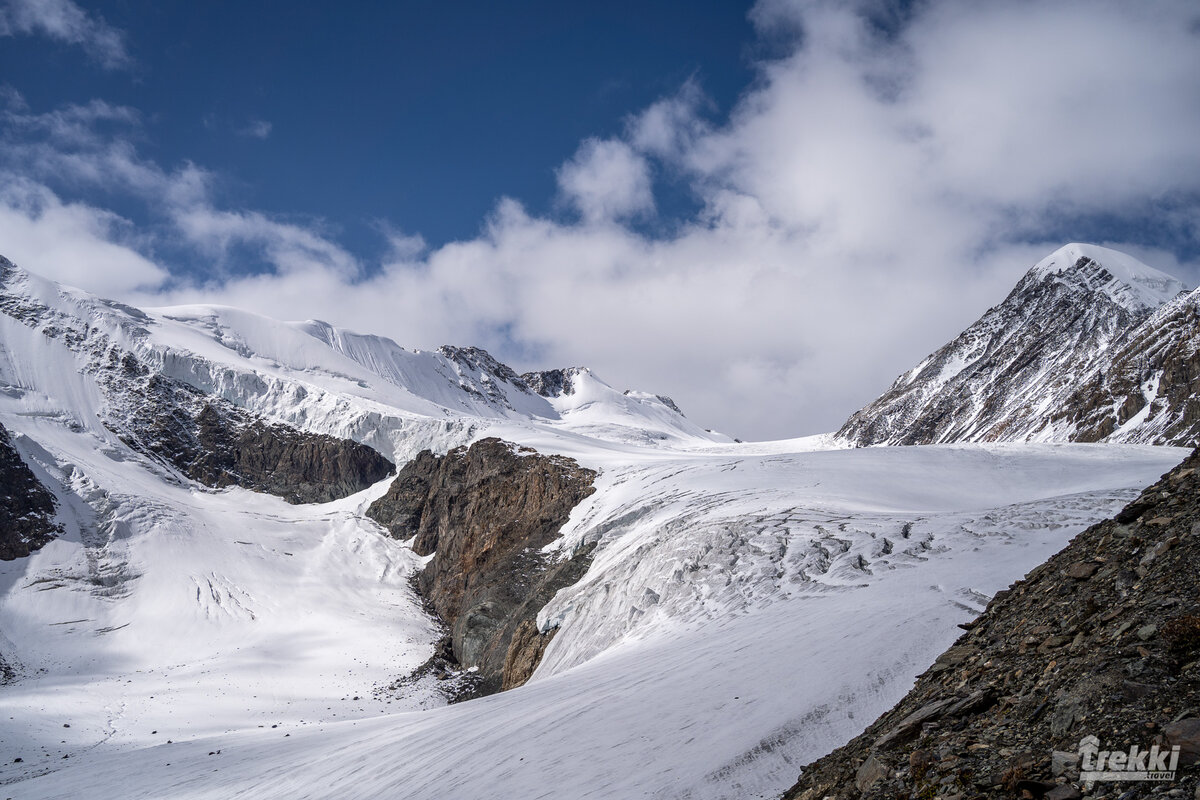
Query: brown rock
[(1081, 570), (1186, 734), (485, 512), (524, 654)]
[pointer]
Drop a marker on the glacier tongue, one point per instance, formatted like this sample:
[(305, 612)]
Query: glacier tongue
[(745, 612)]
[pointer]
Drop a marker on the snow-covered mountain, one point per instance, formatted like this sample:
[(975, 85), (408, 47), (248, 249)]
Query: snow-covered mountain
[(196, 628), (1091, 345), (309, 376)]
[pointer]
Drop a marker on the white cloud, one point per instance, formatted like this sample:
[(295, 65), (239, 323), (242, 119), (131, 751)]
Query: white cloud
[(64, 21), (867, 198), (607, 180), (72, 243)]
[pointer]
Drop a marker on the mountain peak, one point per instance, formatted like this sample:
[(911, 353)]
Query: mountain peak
[(1063, 358), (1127, 281)]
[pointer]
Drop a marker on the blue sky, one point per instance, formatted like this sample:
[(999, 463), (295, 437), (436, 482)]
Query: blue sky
[(416, 114), (766, 210)]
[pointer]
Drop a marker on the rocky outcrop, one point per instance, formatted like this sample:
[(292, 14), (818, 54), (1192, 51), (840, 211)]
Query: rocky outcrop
[(1101, 640), (26, 507), (219, 444), (552, 382), (1063, 358), (1150, 383), (486, 512)]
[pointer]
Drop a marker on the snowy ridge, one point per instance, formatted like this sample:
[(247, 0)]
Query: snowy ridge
[(1146, 390), (310, 375), (1121, 277), (594, 408), (1019, 373)]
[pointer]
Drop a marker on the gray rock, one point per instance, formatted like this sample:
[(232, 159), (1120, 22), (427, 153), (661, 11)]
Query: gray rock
[(1066, 713), (1064, 792), (871, 772), (1062, 762), (908, 727), (26, 506)]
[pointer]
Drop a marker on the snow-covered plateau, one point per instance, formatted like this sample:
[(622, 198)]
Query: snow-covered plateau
[(748, 607)]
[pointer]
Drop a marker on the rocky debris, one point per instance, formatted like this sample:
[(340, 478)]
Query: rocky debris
[(1068, 652), (552, 382), (26, 507), (486, 512), (1072, 354)]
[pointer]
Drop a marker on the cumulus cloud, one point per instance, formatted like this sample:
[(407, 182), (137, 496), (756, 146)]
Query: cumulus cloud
[(607, 180), (883, 181), (64, 21), (72, 243)]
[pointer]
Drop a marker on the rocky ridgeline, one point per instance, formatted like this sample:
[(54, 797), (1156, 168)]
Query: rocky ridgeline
[(26, 507), (1101, 640), (485, 512)]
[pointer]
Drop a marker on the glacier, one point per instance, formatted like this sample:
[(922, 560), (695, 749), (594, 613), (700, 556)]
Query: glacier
[(749, 607)]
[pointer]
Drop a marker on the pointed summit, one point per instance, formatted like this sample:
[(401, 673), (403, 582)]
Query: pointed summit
[(1121, 277)]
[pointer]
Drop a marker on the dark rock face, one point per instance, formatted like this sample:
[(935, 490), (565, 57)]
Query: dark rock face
[(524, 654), (480, 374), (988, 384), (1101, 640), (218, 444), (26, 507), (1155, 373), (486, 511), (552, 382)]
